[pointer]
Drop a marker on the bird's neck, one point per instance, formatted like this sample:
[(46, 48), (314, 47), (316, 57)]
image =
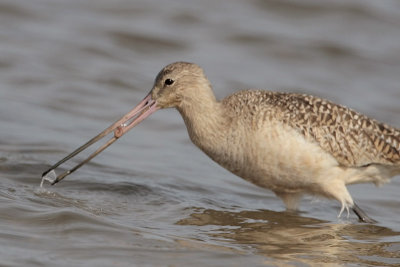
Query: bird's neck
[(205, 121)]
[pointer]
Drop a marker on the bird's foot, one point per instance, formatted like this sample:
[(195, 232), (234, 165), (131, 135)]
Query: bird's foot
[(362, 216), (342, 209)]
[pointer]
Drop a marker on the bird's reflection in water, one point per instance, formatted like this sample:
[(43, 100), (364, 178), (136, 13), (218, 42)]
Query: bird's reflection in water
[(287, 237)]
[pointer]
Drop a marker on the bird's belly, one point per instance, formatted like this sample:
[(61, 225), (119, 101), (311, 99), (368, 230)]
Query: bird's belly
[(281, 159)]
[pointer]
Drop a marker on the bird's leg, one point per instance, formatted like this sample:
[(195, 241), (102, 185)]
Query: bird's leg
[(337, 189), (362, 215), (291, 200)]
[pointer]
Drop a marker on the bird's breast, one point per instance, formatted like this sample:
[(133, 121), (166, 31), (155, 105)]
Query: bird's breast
[(274, 156)]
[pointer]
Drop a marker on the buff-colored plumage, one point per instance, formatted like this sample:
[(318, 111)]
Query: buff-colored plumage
[(289, 143)]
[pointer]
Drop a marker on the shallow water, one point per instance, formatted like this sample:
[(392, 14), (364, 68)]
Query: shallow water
[(69, 68)]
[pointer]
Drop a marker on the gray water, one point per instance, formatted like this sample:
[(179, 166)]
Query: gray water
[(68, 68)]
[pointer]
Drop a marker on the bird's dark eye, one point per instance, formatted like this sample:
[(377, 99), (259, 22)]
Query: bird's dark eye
[(169, 81)]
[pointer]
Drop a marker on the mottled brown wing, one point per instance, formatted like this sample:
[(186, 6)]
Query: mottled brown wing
[(352, 138)]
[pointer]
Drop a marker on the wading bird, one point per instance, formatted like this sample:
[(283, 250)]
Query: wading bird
[(292, 144)]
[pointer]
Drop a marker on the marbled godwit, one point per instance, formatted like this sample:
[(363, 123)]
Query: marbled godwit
[(292, 144)]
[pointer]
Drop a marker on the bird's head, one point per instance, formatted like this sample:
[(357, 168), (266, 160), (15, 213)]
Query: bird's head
[(178, 82)]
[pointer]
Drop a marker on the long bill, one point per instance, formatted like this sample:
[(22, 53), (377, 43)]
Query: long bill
[(144, 109)]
